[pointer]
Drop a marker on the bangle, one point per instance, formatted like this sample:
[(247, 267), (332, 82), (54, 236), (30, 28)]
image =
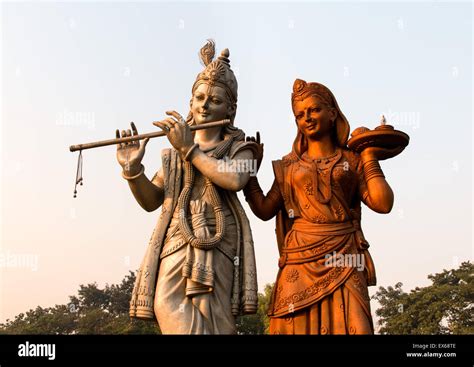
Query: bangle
[(368, 160), (190, 150), (372, 169), (142, 170)]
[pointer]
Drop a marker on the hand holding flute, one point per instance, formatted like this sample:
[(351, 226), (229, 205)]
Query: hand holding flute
[(177, 131), (130, 154)]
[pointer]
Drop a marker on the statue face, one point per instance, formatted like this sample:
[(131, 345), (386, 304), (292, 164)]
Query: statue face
[(314, 118), (209, 103)]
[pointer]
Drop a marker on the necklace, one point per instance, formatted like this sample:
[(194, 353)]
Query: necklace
[(324, 160)]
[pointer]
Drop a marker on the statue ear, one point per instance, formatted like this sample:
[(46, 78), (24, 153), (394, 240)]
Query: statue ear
[(231, 109)]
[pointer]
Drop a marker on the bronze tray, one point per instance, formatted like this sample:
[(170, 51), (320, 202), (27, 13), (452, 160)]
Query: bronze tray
[(383, 136)]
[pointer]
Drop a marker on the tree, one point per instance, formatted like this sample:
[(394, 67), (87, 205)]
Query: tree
[(444, 307), (92, 311), (258, 323), (105, 311)]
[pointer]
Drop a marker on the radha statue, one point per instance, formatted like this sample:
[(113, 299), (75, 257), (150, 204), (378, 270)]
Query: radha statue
[(199, 270), (316, 196)]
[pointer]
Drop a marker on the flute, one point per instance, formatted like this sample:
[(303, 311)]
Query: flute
[(155, 134), (103, 143)]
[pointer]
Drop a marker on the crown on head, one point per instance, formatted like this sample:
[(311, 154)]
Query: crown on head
[(302, 90), (217, 72)]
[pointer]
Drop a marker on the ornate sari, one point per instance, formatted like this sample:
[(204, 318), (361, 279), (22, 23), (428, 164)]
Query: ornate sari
[(317, 203)]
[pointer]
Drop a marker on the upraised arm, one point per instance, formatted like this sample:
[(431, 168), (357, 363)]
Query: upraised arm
[(263, 206), (375, 191), (129, 155)]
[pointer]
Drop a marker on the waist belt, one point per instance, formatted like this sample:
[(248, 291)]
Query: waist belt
[(330, 229), (318, 248)]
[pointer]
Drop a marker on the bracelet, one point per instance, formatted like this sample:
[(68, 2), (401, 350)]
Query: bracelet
[(142, 170), (372, 169), (364, 162), (190, 150)]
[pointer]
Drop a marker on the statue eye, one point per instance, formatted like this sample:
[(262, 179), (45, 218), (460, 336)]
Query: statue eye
[(299, 116), (216, 101), (199, 97), (316, 109)]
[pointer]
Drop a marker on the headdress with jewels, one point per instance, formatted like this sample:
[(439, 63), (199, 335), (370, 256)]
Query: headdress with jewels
[(302, 90), (217, 72)]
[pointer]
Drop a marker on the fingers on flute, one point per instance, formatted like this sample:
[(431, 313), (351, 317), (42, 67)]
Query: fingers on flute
[(161, 126), (168, 123), (124, 135), (129, 134), (171, 122), (175, 114), (117, 135), (134, 132), (134, 128)]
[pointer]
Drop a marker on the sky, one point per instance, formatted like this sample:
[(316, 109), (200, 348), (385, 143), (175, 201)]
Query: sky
[(74, 72)]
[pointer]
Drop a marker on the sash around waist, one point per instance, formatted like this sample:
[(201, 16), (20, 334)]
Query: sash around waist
[(330, 229), (308, 241)]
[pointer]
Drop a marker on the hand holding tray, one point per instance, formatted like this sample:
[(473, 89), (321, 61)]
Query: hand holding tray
[(390, 142)]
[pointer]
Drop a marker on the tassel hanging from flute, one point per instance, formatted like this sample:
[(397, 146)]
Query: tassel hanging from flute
[(78, 173)]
